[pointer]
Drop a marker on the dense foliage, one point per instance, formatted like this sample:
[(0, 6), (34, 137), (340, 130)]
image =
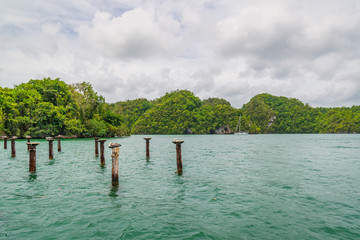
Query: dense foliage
[(131, 110), (270, 114), (50, 107), (176, 113)]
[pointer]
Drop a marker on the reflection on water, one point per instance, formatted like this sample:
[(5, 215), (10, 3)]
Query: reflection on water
[(32, 177), (148, 162), (102, 168), (113, 191), (50, 162)]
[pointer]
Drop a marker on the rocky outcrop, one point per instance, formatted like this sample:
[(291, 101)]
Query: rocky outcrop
[(223, 130), (271, 120), (188, 131)]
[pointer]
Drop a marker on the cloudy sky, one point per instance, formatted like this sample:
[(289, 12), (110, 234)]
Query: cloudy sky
[(233, 49)]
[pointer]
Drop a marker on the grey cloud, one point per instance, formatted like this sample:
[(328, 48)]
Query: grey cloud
[(353, 98), (204, 80), (233, 89), (269, 46), (135, 34), (231, 49), (135, 86), (351, 93)]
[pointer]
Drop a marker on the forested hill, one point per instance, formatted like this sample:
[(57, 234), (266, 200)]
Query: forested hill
[(178, 112), (265, 113), (51, 107)]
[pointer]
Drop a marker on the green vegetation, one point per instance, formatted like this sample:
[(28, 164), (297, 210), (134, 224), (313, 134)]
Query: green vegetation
[(177, 112), (270, 114), (131, 110), (49, 107)]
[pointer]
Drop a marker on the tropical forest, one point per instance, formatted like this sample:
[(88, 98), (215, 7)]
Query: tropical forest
[(49, 107)]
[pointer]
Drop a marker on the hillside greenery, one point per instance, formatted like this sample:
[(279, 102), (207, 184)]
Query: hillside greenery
[(181, 112), (47, 107), (266, 113), (50, 107)]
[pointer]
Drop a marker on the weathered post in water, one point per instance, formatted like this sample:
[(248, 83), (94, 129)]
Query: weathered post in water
[(147, 139), (32, 156), (58, 137), (102, 156), (5, 141), (115, 163), (13, 151), (96, 146), (28, 140), (178, 156), (51, 149)]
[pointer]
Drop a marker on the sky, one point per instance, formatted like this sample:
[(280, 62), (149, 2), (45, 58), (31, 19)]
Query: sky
[(232, 49)]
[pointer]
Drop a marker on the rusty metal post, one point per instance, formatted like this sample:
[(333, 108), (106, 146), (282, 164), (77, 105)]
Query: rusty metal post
[(96, 146), (147, 139), (178, 156), (102, 156), (51, 149), (59, 142), (13, 150), (32, 156), (115, 163), (28, 140), (5, 141)]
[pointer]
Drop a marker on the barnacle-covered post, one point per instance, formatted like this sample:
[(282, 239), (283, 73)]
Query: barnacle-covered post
[(5, 141), (13, 150), (51, 149), (102, 156), (28, 140), (115, 163), (178, 156), (32, 156), (96, 146), (147, 139), (58, 137)]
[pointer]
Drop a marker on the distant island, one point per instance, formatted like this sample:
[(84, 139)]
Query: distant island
[(50, 107)]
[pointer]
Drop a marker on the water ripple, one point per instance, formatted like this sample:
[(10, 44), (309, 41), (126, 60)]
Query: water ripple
[(248, 187)]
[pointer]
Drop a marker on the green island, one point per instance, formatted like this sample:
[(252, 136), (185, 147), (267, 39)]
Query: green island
[(49, 107)]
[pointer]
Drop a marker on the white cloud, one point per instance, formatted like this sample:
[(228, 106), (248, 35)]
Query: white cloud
[(135, 34), (230, 49)]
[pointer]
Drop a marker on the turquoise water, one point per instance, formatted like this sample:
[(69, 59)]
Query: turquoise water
[(232, 187)]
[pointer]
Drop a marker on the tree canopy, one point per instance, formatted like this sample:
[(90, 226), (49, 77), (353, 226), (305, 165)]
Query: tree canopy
[(270, 114), (49, 107), (181, 112)]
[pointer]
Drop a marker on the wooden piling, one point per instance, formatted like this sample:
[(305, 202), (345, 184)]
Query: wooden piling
[(28, 140), (96, 146), (115, 163), (102, 156), (51, 149), (13, 150), (58, 137), (147, 139), (178, 156), (32, 156), (5, 141)]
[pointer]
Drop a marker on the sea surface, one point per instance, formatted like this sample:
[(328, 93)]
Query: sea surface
[(232, 187)]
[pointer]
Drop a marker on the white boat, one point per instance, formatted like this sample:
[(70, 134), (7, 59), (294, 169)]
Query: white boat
[(238, 128)]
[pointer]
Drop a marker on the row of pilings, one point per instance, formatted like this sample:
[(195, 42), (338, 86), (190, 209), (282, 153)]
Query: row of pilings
[(31, 146)]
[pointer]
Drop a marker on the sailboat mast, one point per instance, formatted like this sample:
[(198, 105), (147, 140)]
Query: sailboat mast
[(238, 128), (238, 125)]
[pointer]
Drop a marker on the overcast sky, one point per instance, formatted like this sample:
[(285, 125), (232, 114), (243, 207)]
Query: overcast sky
[(233, 49)]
